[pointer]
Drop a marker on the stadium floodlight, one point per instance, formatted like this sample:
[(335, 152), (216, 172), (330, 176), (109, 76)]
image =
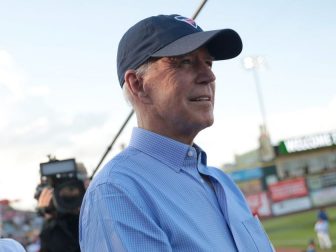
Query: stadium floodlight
[(254, 63)]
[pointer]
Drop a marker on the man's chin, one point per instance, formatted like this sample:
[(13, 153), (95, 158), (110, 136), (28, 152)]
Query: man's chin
[(207, 123)]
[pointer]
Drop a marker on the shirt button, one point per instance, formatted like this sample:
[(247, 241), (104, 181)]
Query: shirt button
[(190, 154)]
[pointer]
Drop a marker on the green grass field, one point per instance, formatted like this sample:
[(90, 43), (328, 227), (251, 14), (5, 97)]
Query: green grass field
[(294, 231)]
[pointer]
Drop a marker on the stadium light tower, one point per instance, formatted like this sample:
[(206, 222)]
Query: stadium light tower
[(266, 150), (253, 64)]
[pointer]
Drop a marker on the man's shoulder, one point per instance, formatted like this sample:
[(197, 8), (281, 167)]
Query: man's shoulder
[(119, 166), (9, 245)]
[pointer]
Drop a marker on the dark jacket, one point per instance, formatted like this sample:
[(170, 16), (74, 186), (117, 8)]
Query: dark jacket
[(60, 234)]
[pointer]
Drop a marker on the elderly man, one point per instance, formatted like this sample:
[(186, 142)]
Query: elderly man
[(159, 194)]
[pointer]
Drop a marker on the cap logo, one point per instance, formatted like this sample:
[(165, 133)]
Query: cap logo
[(187, 20)]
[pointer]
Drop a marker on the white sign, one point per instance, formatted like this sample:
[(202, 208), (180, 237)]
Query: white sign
[(324, 196), (291, 206), (310, 142)]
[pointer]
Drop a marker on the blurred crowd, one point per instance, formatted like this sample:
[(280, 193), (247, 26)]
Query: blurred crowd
[(23, 226)]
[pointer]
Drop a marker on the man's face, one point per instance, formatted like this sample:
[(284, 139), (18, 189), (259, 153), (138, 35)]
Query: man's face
[(182, 91)]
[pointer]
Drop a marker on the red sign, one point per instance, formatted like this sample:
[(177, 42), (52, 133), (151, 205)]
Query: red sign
[(259, 204), (288, 189), (4, 202)]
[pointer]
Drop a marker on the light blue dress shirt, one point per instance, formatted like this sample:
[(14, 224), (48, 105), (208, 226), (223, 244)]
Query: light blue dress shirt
[(10, 245), (160, 195)]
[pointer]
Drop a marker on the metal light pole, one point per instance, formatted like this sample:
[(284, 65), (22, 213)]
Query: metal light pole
[(266, 150), (253, 63)]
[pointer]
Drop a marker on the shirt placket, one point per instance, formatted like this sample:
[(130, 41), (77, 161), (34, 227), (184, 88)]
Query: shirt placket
[(191, 164), (219, 191), (219, 194)]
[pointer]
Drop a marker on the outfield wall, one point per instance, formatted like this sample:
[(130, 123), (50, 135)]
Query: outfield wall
[(295, 181)]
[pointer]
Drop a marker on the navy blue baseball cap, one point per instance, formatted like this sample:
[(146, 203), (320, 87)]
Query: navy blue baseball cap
[(172, 35)]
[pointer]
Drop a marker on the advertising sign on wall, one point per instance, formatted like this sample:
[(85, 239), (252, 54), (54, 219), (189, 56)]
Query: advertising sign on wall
[(307, 143), (259, 204), (288, 189), (291, 206), (249, 174), (324, 196), (321, 181), (250, 187)]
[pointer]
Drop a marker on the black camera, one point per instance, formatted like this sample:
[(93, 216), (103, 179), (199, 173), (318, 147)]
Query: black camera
[(67, 182)]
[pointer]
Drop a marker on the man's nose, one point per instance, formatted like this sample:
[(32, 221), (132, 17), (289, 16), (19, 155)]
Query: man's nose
[(205, 74)]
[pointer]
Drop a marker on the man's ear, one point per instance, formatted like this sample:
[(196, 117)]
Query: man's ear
[(136, 86)]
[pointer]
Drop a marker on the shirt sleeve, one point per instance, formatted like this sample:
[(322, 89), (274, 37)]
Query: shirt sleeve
[(10, 245), (112, 219)]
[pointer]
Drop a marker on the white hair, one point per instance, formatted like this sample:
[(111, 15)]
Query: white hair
[(140, 71)]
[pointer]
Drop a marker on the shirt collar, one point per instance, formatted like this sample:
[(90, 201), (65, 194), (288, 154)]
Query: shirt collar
[(201, 154), (167, 150)]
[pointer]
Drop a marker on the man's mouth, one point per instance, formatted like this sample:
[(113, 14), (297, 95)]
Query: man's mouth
[(200, 98)]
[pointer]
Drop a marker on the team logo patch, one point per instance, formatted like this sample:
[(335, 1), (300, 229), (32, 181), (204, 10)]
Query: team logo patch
[(187, 20)]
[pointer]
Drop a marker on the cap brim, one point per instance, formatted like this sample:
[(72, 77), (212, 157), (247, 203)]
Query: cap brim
[(222, 44)]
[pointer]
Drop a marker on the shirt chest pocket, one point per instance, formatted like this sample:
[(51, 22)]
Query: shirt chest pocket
[(250, 236)]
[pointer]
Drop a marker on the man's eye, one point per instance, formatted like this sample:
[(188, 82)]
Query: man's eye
[(209, 63), (186, 61)]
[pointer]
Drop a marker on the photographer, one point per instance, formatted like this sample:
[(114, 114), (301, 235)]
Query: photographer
[(63, 184)]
